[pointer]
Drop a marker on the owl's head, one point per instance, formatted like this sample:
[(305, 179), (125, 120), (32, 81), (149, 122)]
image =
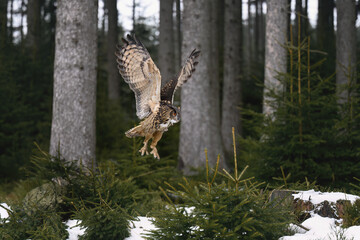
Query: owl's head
[(174, 114), (169, 114)]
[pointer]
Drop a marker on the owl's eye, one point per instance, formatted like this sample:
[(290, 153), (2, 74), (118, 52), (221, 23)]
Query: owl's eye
[(174, 114)]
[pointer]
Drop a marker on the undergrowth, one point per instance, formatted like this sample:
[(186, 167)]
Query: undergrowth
[(309, 134), (105, 199), (236, 208)]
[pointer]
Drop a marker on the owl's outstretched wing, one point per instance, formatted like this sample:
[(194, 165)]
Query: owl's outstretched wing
[(168, 90), (140, 72)]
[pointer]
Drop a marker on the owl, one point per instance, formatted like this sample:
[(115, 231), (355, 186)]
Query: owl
[(154, 104)]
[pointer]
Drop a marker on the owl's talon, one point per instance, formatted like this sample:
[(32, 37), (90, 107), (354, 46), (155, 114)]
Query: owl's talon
[(155, 153), (143, 150)]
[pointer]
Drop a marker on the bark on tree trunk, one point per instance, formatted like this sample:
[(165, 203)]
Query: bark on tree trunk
[(215, 63), (345, 48), (73, 122), (232, 73), (200, 123), (275, 53), (166, 41), (112, 40)]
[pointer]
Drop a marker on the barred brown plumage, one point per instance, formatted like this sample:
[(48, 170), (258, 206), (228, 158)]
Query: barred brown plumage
[(153, 103)]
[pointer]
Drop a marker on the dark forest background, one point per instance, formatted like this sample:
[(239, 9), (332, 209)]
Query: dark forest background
[(320, 142)]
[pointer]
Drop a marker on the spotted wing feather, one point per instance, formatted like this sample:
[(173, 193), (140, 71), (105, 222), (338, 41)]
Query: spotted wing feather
[(168, 90), (140, 72)]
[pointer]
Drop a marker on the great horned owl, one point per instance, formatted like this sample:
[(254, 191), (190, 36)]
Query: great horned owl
[(153, 103)]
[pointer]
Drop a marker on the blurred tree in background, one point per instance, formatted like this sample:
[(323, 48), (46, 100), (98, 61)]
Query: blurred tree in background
[(26, 85), (330, 143)]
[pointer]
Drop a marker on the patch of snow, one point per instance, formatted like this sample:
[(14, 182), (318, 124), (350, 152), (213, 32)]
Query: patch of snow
[(296, 229), (74, 230), (319, 227), (3, 211), (353, 232), (189, 210), (317, 197), (140, 227), (323, 228)]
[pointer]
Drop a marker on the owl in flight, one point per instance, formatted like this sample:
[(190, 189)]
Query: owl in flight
[(154, 104)]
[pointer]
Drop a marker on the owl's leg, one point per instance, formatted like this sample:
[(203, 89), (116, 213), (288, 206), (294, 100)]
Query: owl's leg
[(143, 150), (156, 137)]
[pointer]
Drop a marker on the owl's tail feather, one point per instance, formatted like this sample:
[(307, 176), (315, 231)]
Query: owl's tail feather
[(135, 132)]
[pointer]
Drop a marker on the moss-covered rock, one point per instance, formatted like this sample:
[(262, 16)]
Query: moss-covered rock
[(44, 197)]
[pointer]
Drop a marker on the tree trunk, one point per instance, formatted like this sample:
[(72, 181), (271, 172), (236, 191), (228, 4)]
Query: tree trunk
[(134, 5), (345, 48), (33, 21), (306, 19), (248, 43), (275, 53), (200, 124), (3, 24), (112, 41), (289, 20), (11, 28), (166, 41), (215, 39), (73, 122), (257, 31), (52, 21), (177, 34), (325, 35), (22, 21), (262, 33), (298, 26), (232, 73)]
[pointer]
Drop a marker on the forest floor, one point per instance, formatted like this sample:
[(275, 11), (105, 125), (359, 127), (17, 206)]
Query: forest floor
[(318, 227)]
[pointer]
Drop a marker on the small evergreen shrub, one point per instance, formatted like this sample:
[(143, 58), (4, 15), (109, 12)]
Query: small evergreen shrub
[(236, 208), (104, 222), (105, 199), (40, 224), (310, 134), (352, 214)]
